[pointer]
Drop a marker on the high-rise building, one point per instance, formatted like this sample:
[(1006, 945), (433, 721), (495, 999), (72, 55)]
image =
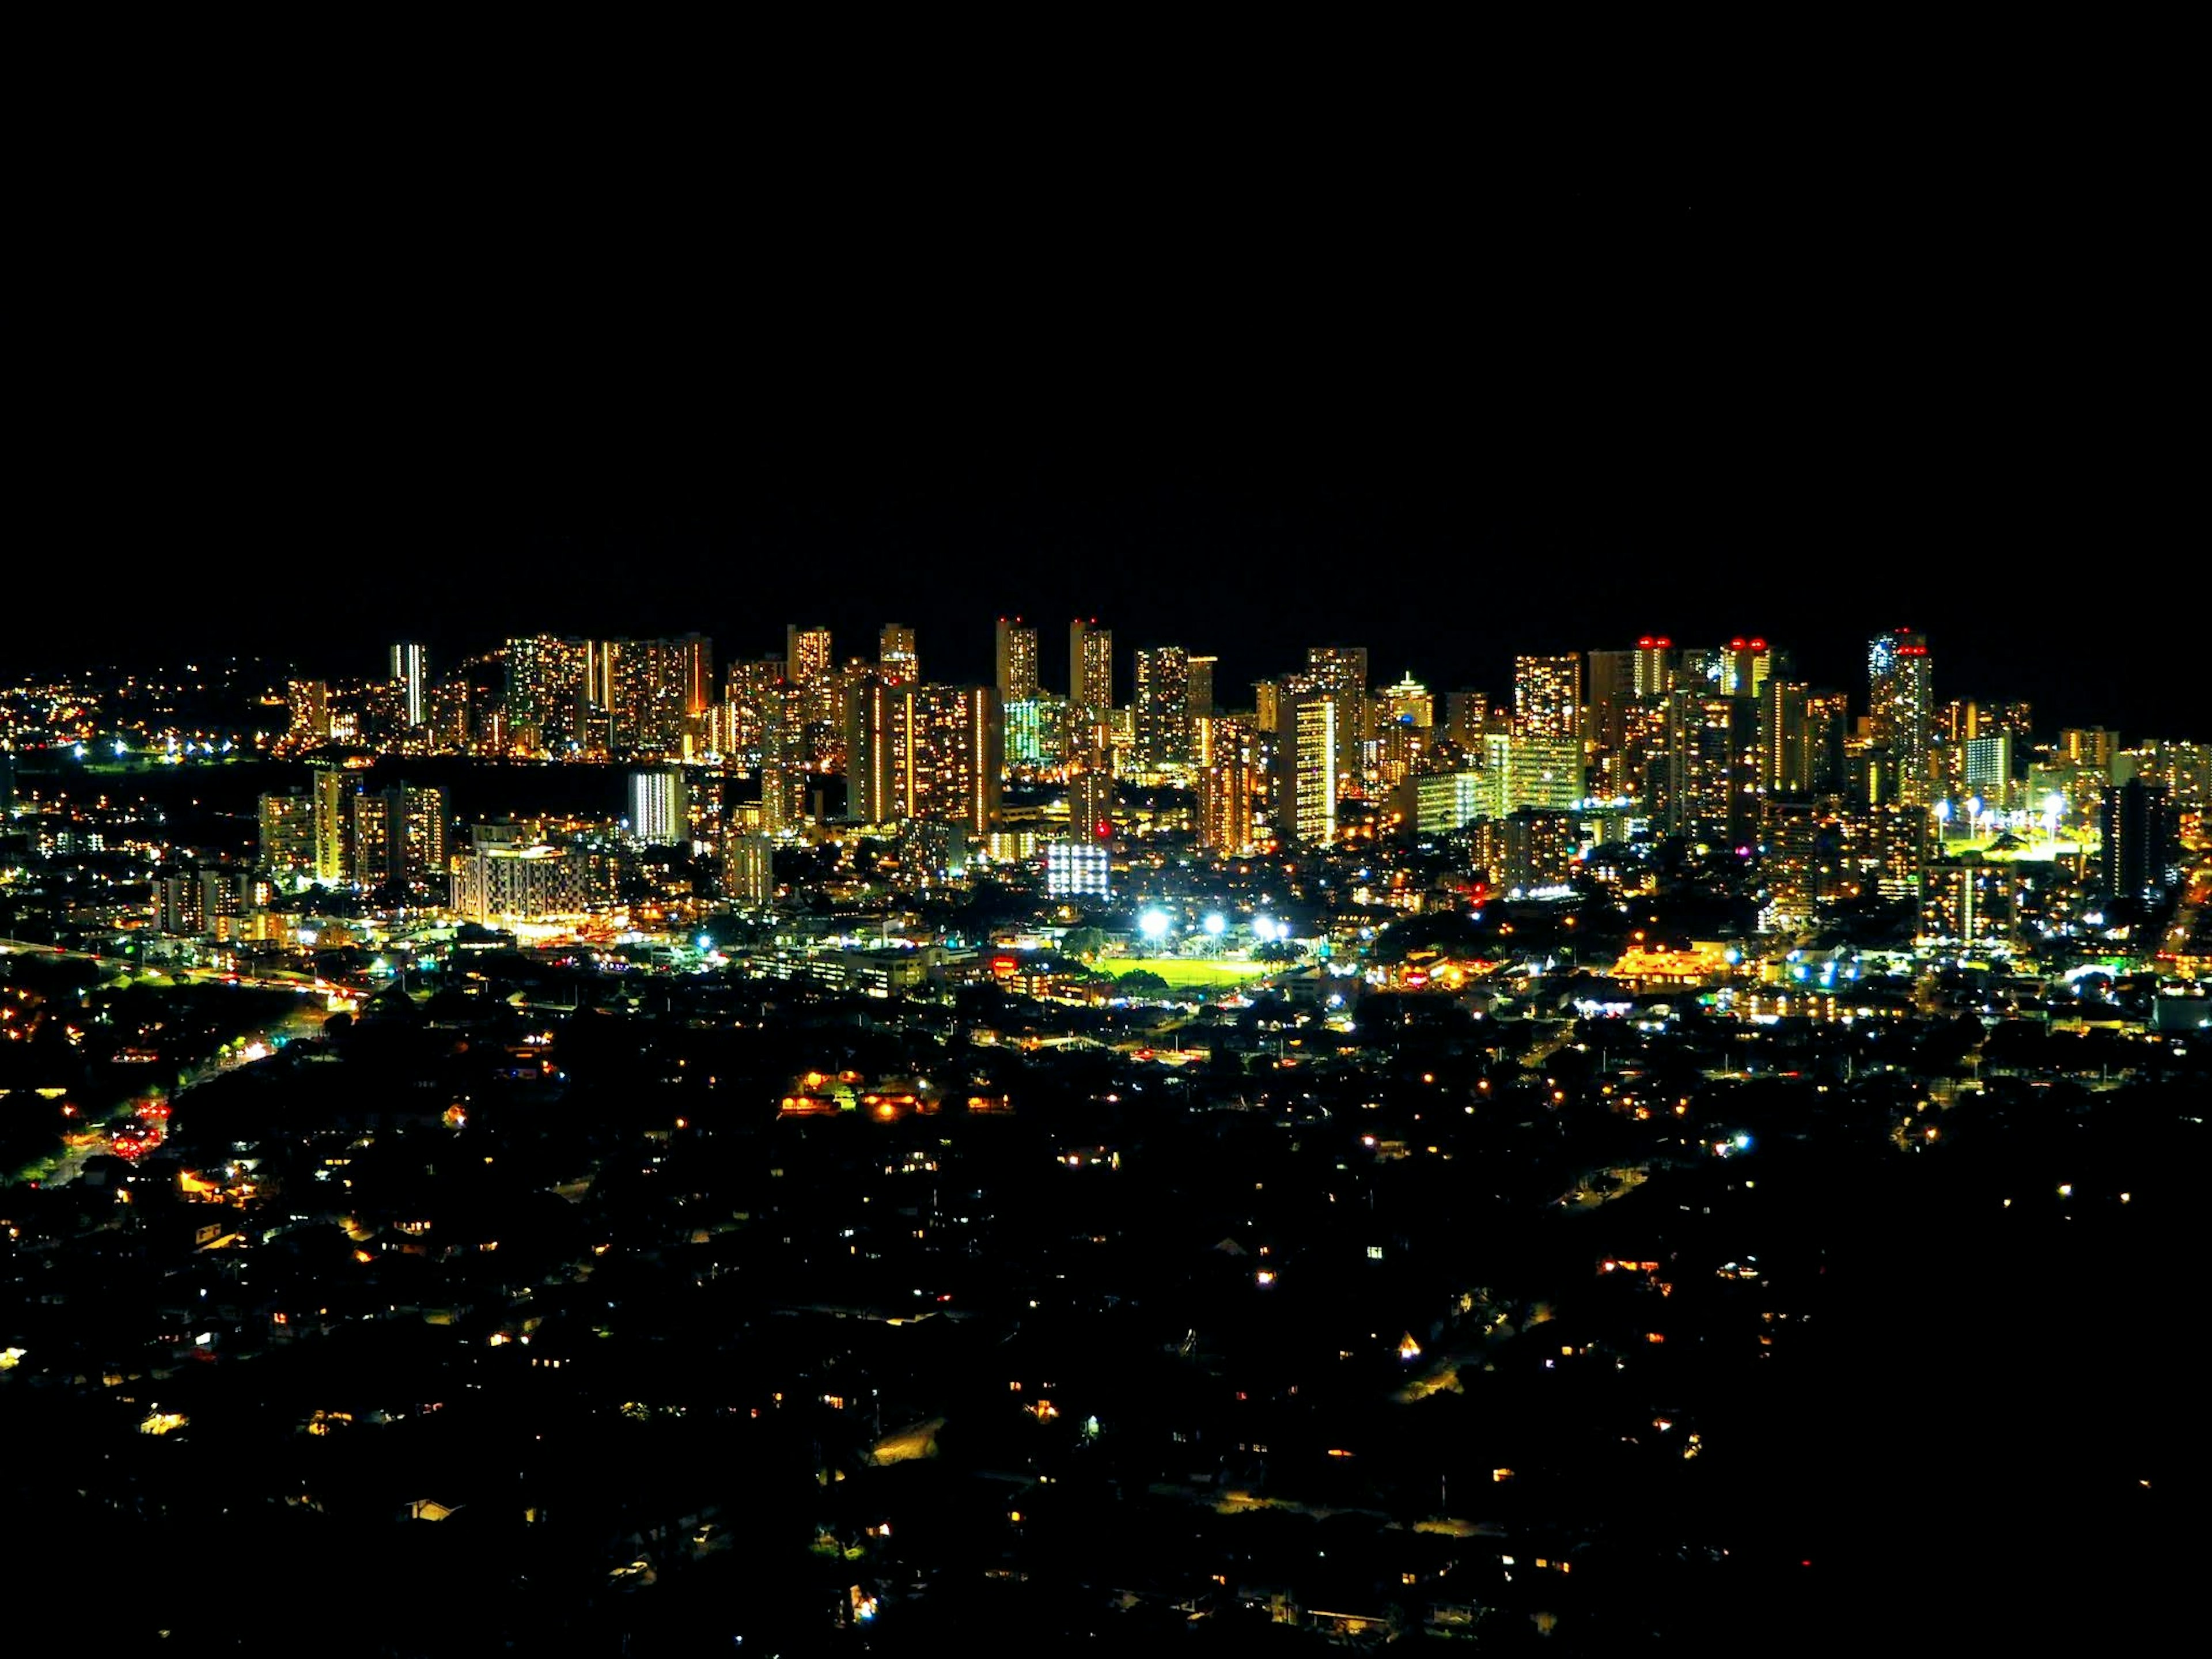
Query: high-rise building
[(310, 702), (806, 654), (896, 660), (518, 880), (1078, 870), (1025, 733), (1609, 683), (749, 871), (1314, 742), (1202, 686), (398, 835), (1224, 801), (1712, 781), (1745, 666), (1018, 661), (1828, 726), (1547, 696), (1162, 706), (1340, 671), (1091, 667), (451, 728), (659, 807), (1786, 758), (546, 700), (1531, 771), (1409, 704), (1445, 801), (1655, 671), (637, 695), (410, 678), (873, 764), (287, 841), (2090, 746), (1090, 802), (1466, 717), (1803, 859), (327, 787), (695, 654), (2137, 857), (1967, 899), (933, 752), (1539, 848), (1902, 714), (1988, 773)]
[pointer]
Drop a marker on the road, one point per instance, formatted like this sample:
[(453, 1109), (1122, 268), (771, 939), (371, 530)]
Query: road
[(304, 1020), (280, 979)]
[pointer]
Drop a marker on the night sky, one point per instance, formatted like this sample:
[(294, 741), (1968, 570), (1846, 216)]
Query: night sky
[(1240, 405)]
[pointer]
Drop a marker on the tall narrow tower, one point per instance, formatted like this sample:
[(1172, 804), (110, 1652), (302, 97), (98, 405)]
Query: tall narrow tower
[(1903, 712)]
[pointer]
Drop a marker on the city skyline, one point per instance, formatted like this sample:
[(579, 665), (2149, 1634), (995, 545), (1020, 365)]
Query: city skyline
[(2139, 685)]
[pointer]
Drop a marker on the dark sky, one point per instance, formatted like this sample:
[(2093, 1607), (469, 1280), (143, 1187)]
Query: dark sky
[(1247, 397)]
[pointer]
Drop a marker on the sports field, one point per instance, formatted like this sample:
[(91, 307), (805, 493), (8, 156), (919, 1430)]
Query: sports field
[(1193, 973)]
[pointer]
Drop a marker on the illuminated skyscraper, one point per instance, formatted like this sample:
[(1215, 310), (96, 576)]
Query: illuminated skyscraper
[(310, 702), (2090, 746), (1547, 696), (327, 787), (1786, 758), (749, 871), (659, 808), (1018, 661), (1078, 870), (1026, 733), (1341, 670), (1091, 667), (695, 654), (1091, 690), (932, 752), (1314, 748), (1444, 801), (1745, 666), (1224, 801), (287, 843), (411, 674), (1988, 773), (1202, 686), (1711, 791), (546, 701), (1654, 675), (1801, 863), (805, 654), (398, 835), (1827, 723), (2137, 858), (1162, 706), (1532, 771), (1902, 713), (1090, 802), (896, 660), (1409, 704), (1466, 716)]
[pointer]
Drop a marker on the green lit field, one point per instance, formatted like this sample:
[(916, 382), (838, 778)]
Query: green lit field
[(1193, 973)]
